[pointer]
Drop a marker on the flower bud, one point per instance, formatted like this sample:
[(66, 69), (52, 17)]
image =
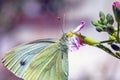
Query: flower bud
[(110, 29), (102, 16), (112, 37), (100, 22), (115, 47), (99, 29), (95, 23), (116, 10), (105, 22), (110, 19)]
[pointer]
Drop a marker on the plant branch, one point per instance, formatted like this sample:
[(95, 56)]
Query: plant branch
[(108, 50), (118, 27), (107, 41)]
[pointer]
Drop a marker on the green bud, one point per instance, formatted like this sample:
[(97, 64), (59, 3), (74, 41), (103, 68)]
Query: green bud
[(95, 23), (115, 29), (112, 38), (99, 29), (102, 16), (114, 34), (104, 28), (100, 22), (110, 19), (110, 29), (105, 22)]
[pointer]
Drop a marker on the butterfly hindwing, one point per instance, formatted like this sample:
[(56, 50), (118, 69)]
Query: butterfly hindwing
[(50, 64), (18, 60)]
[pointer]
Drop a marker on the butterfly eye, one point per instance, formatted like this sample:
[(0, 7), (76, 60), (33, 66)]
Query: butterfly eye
[(22, 63)]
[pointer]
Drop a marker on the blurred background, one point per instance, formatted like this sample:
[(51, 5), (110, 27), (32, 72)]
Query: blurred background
[(23, 21)]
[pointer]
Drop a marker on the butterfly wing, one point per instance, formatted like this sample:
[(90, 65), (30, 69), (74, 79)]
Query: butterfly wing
[(17, 60), (50, 64)]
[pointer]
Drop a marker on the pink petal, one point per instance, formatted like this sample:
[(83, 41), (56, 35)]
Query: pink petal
[(76, 44), (116, 4), (81, 26)]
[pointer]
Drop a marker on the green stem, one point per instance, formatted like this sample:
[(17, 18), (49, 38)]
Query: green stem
[(104, 48), (118, 32), (107, 41)]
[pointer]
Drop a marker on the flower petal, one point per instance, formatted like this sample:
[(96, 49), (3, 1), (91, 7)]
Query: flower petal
[(116, 4), (75, 43), (79, 27)]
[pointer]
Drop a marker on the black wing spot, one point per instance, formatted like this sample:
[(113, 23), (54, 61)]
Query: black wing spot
[(22, 63)]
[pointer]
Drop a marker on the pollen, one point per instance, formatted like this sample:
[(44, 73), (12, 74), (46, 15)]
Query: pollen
[(70, 34)]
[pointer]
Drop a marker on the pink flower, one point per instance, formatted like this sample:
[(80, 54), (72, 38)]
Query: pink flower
[(75, 41), (116, 10), (81, 26), (116, 4)]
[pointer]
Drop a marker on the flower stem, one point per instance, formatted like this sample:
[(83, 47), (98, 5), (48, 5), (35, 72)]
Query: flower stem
[(106, 49), (118, 32), (107, 41)]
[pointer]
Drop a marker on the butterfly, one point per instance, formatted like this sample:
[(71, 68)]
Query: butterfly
[(44, 59)]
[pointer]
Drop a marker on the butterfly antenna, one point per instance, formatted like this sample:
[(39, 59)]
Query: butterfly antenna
[(63, 23)]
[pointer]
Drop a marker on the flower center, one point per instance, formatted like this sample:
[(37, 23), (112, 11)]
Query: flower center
[(70, 34)]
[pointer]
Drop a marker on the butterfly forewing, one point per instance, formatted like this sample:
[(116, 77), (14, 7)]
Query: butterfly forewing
[(18, 60), (50, 64)]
